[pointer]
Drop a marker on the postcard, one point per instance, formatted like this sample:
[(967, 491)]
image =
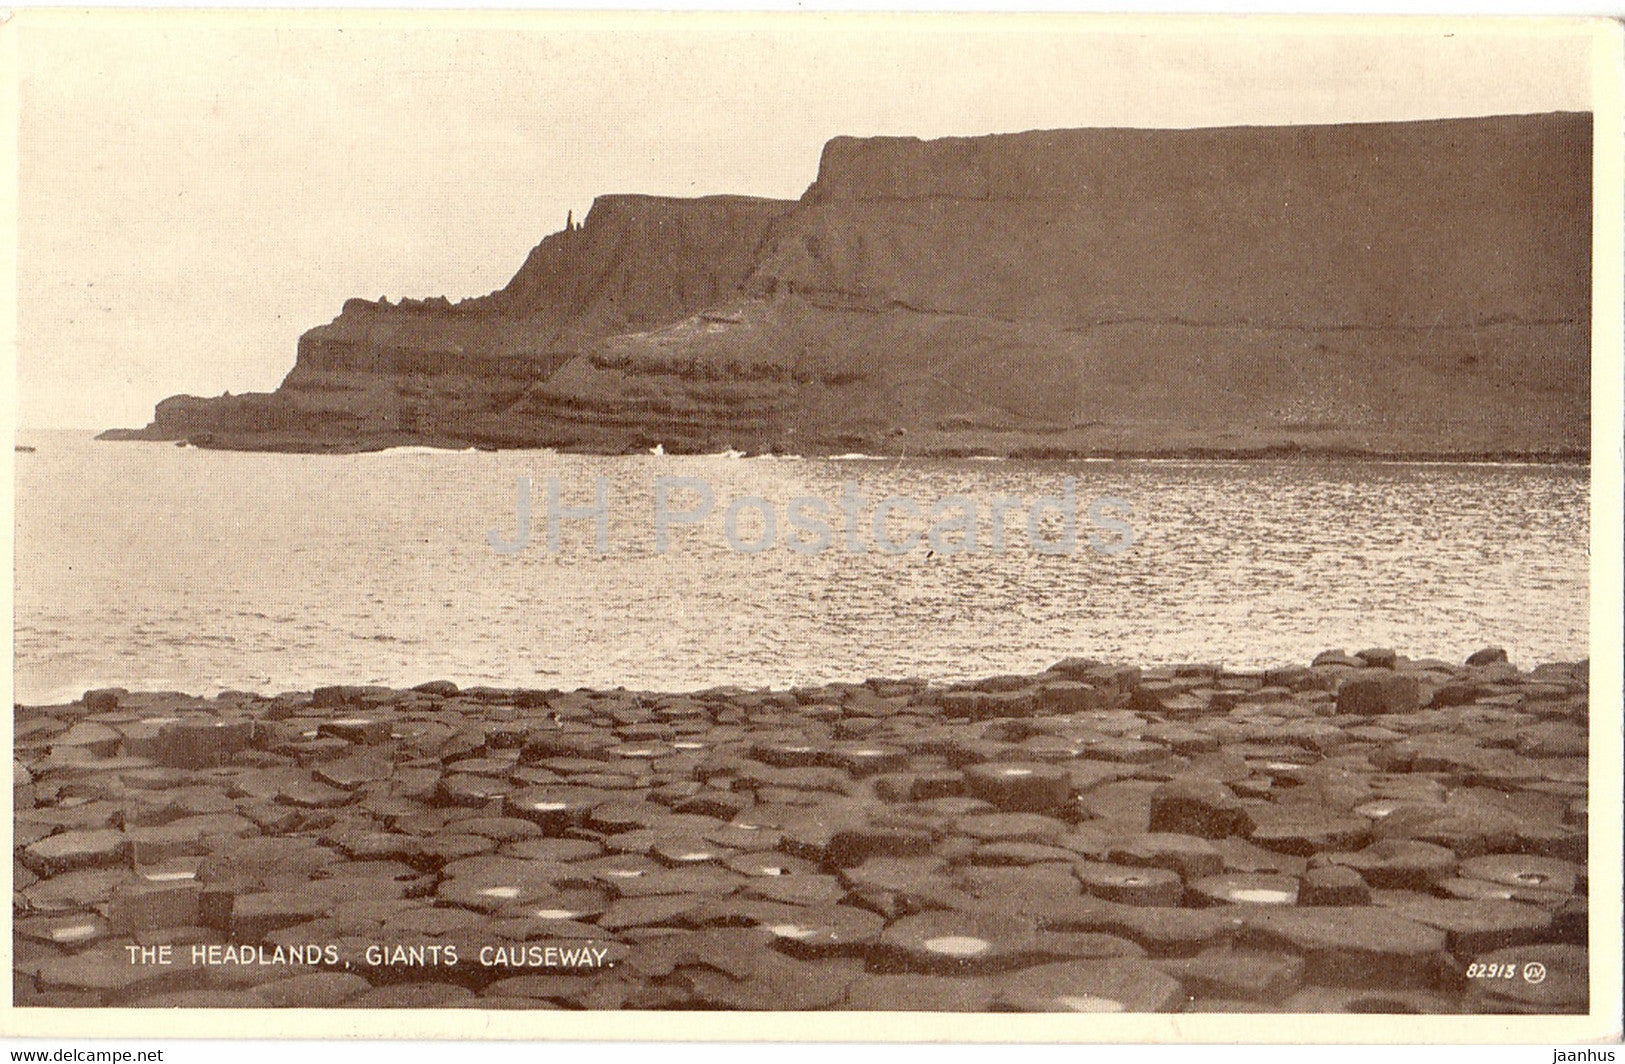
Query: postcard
[(714, 526)]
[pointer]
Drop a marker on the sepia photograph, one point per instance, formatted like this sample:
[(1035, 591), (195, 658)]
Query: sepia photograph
[(745, 518)]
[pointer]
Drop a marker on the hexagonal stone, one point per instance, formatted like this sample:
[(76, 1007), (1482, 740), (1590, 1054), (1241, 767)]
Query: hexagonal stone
[(253, 916), (1398, 864), (1242, 856), (920, 785), (1305, 832), (351, 773), (1333, 885), (1523, 872), (885, 884), (1018, 853), (562, 904), (796, 890), (1008, 887), (1472, 925), (769, 863), (995, 705), (1255, 975), (157, 844), (96, 739), (1159, 696), (473, 791), (311, 750), (1163, 930), (1026, 787), (73, 891), (357, 729), (1373, 691), (102, 699), (735, 951), (412, 921), (698, 880), (775, 982), (1059, 946), (1012, 827), (1469, 829), (787, 753), (1352, 946), (308, 794), (1130, 751), (553, 809), (453, 846), (1109, 986), (608, 871), (1118, 679), (201, 742), (679, 850), (1188, 855), (1198, 806), (857, 844), (1125, 804), (1061, 697), (1378, 657), (69, 850), (864, 759), (551, 851), (376, 845), (714, 803), (145, 906), (654, 910), (822, 930), (70, 931), (1242, 889), (947, 941), (1130, 885)]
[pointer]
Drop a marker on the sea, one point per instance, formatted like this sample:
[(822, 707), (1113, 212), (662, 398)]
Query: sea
[(153, 566)]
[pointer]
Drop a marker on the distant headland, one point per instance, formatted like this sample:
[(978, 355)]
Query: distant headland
[(1409, 289)]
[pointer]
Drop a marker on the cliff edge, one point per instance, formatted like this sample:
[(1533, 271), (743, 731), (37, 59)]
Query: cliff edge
[(1416, 288)]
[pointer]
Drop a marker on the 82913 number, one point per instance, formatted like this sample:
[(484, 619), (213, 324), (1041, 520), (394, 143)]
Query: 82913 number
[(1491, 971)]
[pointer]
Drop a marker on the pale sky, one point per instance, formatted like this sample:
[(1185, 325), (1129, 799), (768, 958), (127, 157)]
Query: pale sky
[(196, 190)]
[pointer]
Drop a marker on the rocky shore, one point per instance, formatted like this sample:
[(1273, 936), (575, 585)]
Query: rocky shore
[(1366, 834)]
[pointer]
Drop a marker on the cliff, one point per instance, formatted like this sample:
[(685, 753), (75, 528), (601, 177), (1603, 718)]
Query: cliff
[(1412, 288)]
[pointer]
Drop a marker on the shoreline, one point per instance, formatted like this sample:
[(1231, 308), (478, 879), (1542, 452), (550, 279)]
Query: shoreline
[(877, 450), (1359, 834), (496, 691)]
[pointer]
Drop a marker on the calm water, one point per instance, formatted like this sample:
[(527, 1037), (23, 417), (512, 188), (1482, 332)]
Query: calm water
[(152, 566)]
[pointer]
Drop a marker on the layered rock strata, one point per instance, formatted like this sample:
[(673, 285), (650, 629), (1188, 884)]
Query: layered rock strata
[(1413, 288)]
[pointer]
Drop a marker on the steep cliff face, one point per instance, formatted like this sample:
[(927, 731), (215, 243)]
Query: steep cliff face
[(1417, 224), (1418, 288), (431, 370)]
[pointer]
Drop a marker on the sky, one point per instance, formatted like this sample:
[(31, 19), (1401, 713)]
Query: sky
[(195, 190)]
